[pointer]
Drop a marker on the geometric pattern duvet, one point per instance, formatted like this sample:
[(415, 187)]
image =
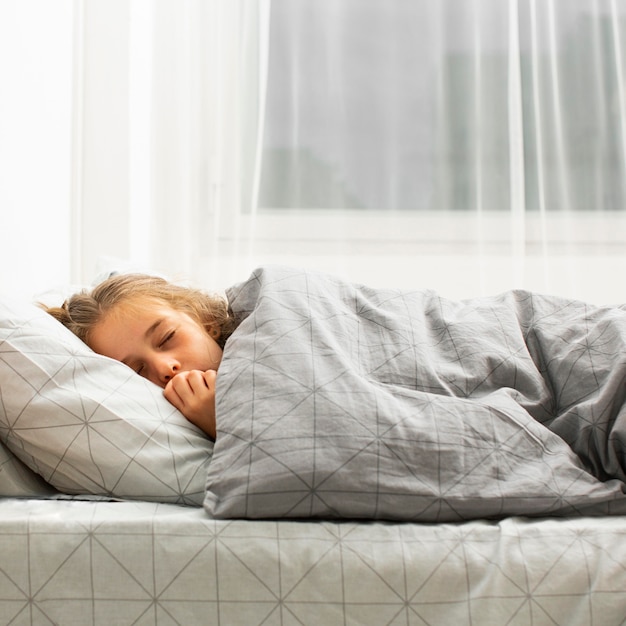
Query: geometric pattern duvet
[(75, 562), (336, 400)]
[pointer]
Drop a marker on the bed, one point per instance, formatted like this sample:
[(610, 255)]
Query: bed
[(499, 500)]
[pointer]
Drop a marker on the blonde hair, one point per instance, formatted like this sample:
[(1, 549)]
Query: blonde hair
[(82, 311)]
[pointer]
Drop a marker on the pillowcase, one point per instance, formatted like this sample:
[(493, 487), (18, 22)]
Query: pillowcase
[(88, 424)]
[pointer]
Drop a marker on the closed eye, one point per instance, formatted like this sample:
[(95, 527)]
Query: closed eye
[(136, 366), (167, 338)]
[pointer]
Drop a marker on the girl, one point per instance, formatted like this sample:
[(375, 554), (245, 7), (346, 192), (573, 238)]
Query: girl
[(171, 335)]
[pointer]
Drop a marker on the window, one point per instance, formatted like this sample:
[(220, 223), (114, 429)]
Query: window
[(407, 106)]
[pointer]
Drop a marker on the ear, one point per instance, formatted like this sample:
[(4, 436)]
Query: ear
[(215, 332)]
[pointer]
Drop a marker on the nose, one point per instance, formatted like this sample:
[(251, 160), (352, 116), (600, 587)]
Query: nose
[(164, 370)]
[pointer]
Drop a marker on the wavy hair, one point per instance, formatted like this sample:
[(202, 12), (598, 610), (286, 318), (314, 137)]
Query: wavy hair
[(82, 311)]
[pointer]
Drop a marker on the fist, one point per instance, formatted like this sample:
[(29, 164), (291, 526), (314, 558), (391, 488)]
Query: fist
[(193, 394)]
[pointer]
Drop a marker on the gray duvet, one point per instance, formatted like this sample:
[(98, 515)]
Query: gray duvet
[(341, 401)]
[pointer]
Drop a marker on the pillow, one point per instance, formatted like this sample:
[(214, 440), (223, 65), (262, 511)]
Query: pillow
[(17, 480), (88, 424)]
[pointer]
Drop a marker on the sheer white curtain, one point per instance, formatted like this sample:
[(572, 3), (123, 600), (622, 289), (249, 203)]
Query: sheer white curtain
[(35, 144), (208, 70), (466, 145), (478, 145), (167, 111)]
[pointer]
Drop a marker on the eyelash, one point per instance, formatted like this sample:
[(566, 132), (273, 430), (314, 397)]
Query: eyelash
[(167, 338), (163, 342)]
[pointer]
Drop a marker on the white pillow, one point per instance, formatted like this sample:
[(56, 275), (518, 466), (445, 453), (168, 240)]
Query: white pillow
[(88, 424)]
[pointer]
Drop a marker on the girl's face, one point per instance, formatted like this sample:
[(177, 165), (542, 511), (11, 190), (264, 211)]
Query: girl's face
[(156, 341)]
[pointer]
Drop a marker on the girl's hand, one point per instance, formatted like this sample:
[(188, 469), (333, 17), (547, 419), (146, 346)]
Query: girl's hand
[(193, 394)]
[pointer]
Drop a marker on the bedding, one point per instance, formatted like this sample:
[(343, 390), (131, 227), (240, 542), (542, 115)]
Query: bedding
[(341, 401), (336, 400), (124, 563), (93, 560), (18, 480), (87, 424)]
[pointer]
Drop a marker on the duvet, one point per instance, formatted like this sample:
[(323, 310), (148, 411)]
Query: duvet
[(337, 400)]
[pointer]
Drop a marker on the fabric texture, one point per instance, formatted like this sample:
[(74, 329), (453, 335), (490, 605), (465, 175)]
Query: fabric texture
[(88, 424), (337, 400), (125, 563), (17, 480)]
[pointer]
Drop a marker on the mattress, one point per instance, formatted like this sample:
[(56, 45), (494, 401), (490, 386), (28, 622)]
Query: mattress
[(102, 562)]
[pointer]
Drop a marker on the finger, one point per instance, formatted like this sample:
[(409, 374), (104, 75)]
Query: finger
[(172, 396), (185, 382), (180, 384), (190, 388), (198, 382), (209, 378)]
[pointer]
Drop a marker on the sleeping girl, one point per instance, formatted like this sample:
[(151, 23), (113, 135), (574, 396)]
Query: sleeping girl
[(171, 335), (345, 400)]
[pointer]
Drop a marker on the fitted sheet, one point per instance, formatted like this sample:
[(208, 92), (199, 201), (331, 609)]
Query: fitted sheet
[(80, 562)]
